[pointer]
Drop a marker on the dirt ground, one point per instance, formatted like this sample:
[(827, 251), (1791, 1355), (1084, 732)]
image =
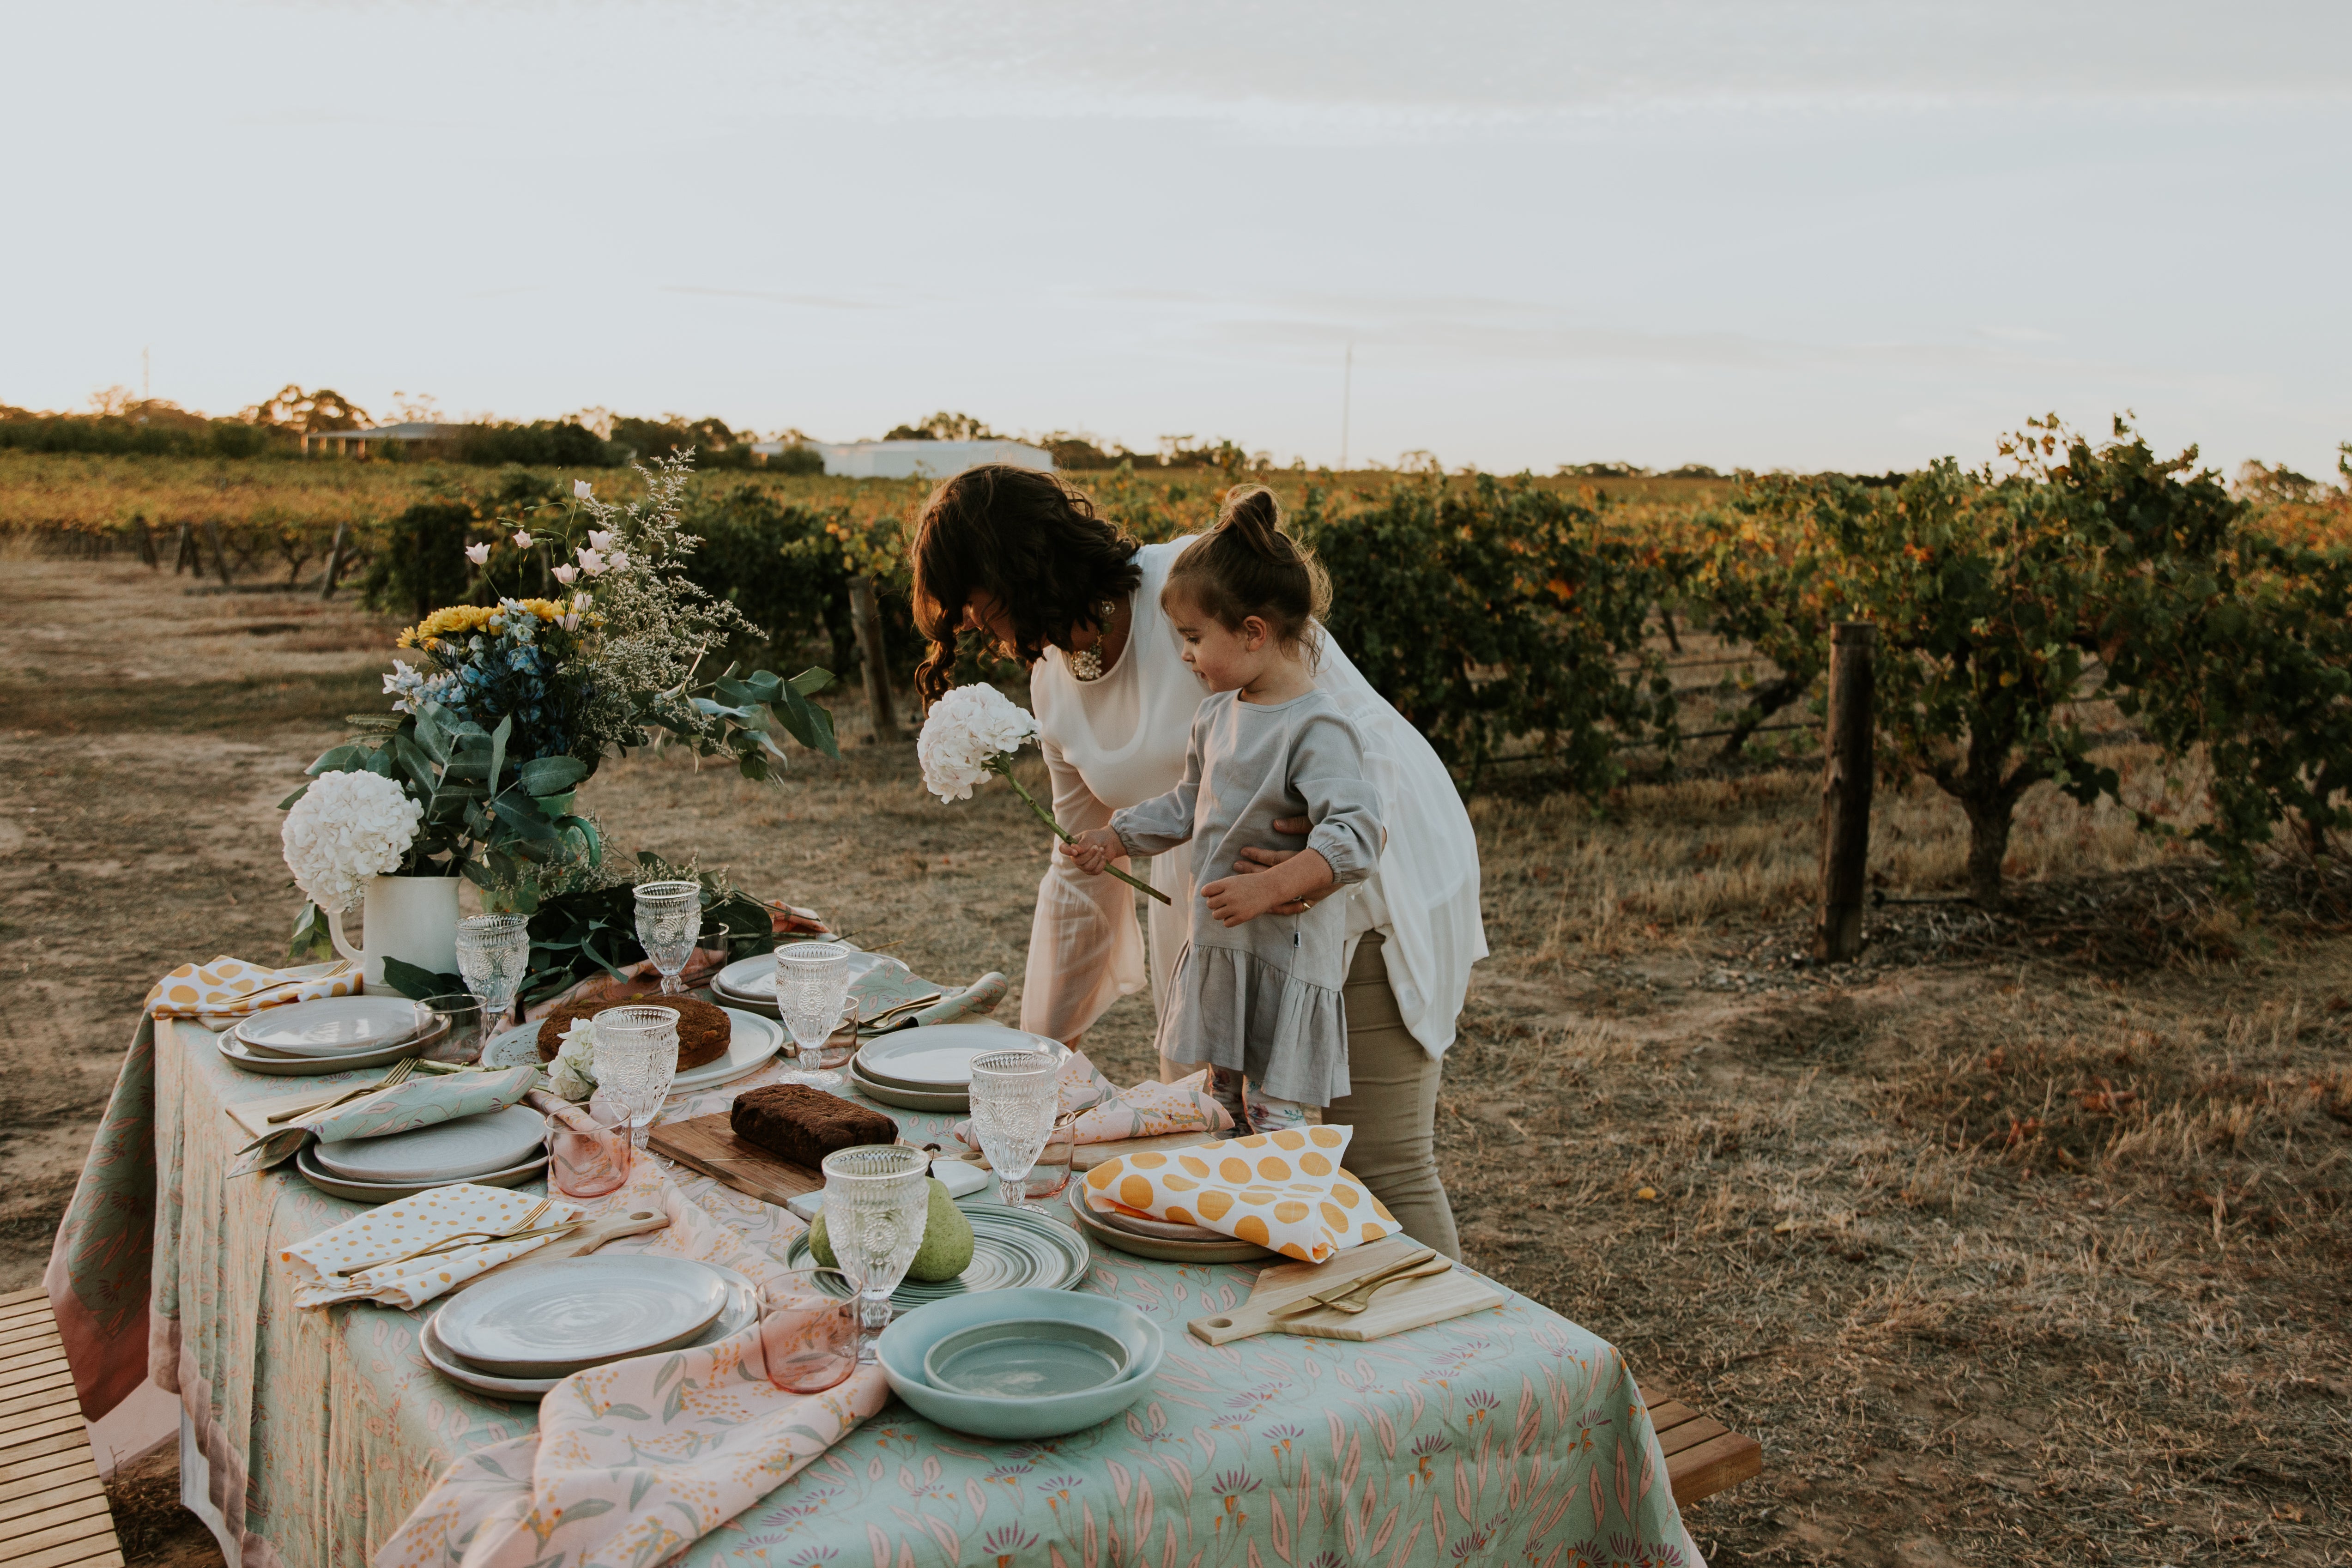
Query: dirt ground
[(2025, 1240)]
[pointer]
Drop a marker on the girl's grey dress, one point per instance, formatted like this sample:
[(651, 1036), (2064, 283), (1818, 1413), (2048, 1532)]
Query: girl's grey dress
[(1264, 997)]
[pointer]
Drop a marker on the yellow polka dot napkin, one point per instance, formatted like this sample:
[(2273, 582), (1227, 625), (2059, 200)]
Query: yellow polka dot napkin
[(1285, 1191), (334, 1265), (232, 988)]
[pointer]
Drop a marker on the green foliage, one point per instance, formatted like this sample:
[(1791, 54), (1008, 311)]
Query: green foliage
[(550, 443), (22, 431), (593, 930), (417, 982), (797, 459), (422, 563), (777, 563), (1497, 610)]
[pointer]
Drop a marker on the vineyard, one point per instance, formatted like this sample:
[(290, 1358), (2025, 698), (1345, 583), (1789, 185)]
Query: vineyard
[(2032, 615)]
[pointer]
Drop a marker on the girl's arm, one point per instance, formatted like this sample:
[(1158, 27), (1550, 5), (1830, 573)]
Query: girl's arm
[(1156, 825)]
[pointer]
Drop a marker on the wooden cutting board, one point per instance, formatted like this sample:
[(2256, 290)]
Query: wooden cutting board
[(708, 1145), (1412, 1304), (1088, 1155), (579, 1244)]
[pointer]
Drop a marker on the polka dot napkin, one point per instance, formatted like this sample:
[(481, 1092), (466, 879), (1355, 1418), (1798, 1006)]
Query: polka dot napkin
[(1285, 1191), (232, 988)]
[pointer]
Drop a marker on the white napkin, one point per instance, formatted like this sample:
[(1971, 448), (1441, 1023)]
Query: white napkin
[(332, 1266)]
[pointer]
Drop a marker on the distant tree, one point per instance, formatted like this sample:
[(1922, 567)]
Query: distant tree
[(1691, 471), (943, 426), (1603, 471), (308, 413)]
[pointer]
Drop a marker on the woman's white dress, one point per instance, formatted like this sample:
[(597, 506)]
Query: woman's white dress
[(1117, 742)]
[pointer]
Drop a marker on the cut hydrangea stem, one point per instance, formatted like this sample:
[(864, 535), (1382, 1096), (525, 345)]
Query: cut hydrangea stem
[(1003, 768)]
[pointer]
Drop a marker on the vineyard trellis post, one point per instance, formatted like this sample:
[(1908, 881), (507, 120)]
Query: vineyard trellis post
[(147, 543), (334, 561), (220, 555), (866, 620), (187, 549), (1846, 767)]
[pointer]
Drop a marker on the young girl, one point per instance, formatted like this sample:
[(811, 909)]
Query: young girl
[(1256, 993)]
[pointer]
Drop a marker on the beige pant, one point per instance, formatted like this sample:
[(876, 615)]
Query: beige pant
[(1392, 1105)]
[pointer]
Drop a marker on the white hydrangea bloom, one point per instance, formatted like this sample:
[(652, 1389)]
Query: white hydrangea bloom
[(572, 1073), (965, 731), (346, 828)]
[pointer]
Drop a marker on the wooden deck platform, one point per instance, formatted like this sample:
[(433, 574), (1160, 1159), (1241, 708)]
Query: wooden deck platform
[(1704, 1456), (53, 1508)]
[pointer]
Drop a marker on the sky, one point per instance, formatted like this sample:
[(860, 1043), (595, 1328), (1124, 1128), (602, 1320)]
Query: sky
[(1747, 233)]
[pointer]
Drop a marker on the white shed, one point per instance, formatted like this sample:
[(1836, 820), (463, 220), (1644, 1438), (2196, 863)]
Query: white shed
[(909, 459)]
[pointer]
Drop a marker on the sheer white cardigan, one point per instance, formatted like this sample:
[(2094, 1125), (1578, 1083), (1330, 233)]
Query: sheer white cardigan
[(1111, 742)]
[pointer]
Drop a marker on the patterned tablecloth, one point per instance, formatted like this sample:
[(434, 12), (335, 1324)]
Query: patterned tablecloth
[(1509, 1435)]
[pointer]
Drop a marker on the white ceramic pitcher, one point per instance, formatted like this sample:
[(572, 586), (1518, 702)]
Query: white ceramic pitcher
[(412, 918)]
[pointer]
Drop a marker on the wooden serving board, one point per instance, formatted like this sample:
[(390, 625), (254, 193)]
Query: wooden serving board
[(1090, 1155), (708, 1145), (1409, 1304), (579, 1244)]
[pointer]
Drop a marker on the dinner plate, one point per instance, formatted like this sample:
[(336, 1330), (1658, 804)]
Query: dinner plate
[(752, 1040), (444, 1151), (937, 1058), (1164, 1230), (754, 978), (235, 1052), (330, 1025), (1224, 1250), (1011, 1248), (956, 1104), (336, 1186), (741, 1312), (551, 1321)]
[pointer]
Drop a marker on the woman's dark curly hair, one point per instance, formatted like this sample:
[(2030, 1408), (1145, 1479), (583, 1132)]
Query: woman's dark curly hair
[(1029, 541)]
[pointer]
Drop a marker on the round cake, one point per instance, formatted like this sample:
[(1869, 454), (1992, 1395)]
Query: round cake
[(703, 1030)]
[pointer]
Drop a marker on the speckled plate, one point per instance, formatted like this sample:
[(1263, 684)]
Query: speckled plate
[(741, 1312), (1224, 1250), (1011, 1248), (958, 1104), (236, 1054), (336, 1186)]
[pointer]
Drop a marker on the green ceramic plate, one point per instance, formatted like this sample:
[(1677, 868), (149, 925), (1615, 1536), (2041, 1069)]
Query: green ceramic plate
[(1011, 1248)]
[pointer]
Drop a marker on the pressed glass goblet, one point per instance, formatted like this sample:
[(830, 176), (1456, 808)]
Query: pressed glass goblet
[(877, 1197), (636, 1057), (669, 919), (494, 957), (808, 1340), (812, 991), (1014, 1100)]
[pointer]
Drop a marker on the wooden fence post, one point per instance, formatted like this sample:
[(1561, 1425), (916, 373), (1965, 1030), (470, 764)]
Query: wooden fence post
[(1846, 768), (220, 556), (187, 549), (334, 563), (147, 543), (866, 620)]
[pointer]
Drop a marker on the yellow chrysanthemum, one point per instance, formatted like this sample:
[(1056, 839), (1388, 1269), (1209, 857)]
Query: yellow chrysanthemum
[(464, 620)]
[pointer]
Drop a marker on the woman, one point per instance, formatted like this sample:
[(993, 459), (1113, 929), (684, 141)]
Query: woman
[(1021, 555)]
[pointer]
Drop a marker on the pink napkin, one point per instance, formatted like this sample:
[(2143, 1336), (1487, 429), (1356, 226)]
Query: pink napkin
[(1109, 1115)]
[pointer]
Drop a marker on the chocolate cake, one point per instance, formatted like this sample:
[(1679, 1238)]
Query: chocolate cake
[(703, 1030), (803, 1124)]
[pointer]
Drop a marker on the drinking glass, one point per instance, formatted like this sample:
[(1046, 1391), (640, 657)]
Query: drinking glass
[(1014, 1100), (494, 955), (811, 990), (669, 919), (877, 1197), (1051, 1174), (463, 1043), (808, 1340), (636, 1057), (588, 1155)]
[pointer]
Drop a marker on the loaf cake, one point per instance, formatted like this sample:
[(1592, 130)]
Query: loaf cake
[(804, 1125), (703, 1030)]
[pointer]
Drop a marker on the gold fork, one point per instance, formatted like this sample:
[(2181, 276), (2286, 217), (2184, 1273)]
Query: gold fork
[(487, 1236), (399, 1074)]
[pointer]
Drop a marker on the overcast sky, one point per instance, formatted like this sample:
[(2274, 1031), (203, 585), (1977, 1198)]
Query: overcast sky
[(1737, 232)]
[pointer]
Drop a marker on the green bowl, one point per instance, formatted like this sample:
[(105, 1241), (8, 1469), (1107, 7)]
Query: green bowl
[(906, 1342), (1025, 1358)]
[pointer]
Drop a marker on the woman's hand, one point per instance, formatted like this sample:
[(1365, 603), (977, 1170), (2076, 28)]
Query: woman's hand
[(1093, 850), (1256, 860), (1238, 899)]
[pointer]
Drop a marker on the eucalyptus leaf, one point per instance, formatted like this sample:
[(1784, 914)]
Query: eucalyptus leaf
[(416, 984)]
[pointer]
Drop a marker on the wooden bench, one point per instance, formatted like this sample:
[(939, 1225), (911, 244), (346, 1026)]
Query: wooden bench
[(1704, 1456), (53, 1507)]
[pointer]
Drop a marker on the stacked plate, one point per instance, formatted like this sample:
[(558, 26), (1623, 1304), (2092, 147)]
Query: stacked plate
[(331, 1034), (1024, 1364), (930, 1068), (518, 1335), (1160, 1239), (750, 983), (496, 1148), (752, 1040), (1011, 1249)]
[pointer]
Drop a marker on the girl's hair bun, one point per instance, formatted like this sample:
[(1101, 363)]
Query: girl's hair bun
[(1247, 566)]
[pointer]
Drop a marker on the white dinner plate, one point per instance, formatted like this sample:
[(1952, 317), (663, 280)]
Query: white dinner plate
[(336, 1186), (331, 1025), (955, 1103), (743, 1310), (238, 1054), (937, 1058), (553, 1319), (755, 976), (446, 1150), (750, 1041)]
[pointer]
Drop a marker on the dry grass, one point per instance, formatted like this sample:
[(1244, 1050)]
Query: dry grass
[(2026, 1258)]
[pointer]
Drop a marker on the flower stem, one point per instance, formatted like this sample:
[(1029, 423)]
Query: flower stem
[(1004, 769)]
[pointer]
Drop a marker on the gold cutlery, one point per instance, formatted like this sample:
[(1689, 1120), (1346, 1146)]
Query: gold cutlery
[(1348, 1288), (1360, 1298), (484, 1238), (399, 1074)]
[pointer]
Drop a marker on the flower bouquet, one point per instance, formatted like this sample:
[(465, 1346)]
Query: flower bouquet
[(510, 706), (973, 732)]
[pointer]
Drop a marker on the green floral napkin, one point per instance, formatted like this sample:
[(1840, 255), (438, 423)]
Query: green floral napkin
[(403, 1108)]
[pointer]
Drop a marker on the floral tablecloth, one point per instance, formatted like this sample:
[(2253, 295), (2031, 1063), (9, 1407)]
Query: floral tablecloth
[(1510, 1435)]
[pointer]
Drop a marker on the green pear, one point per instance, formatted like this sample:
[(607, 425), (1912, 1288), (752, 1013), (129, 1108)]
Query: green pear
[(945, 1251)]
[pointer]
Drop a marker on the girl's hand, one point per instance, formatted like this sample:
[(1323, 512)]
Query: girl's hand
[(1236, 901), (1093, 850)]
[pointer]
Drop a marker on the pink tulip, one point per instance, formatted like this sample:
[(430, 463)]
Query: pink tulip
[(565, 573), (479, 555)]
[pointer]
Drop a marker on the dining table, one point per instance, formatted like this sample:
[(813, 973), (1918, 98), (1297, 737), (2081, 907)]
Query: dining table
[(308, 1436)]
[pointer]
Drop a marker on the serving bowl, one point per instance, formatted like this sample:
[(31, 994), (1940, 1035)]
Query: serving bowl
[(1025, 1358), (906, 1342)]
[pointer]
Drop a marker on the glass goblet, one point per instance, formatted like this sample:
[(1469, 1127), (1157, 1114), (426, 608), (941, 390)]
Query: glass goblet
[(811, 992), (494, 957), (669, 919), (877, 1197), (1015, 1096), (636, 1057)]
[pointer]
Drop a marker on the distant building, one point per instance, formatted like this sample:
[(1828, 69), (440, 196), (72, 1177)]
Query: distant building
[(908, 459), (412, 435)]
